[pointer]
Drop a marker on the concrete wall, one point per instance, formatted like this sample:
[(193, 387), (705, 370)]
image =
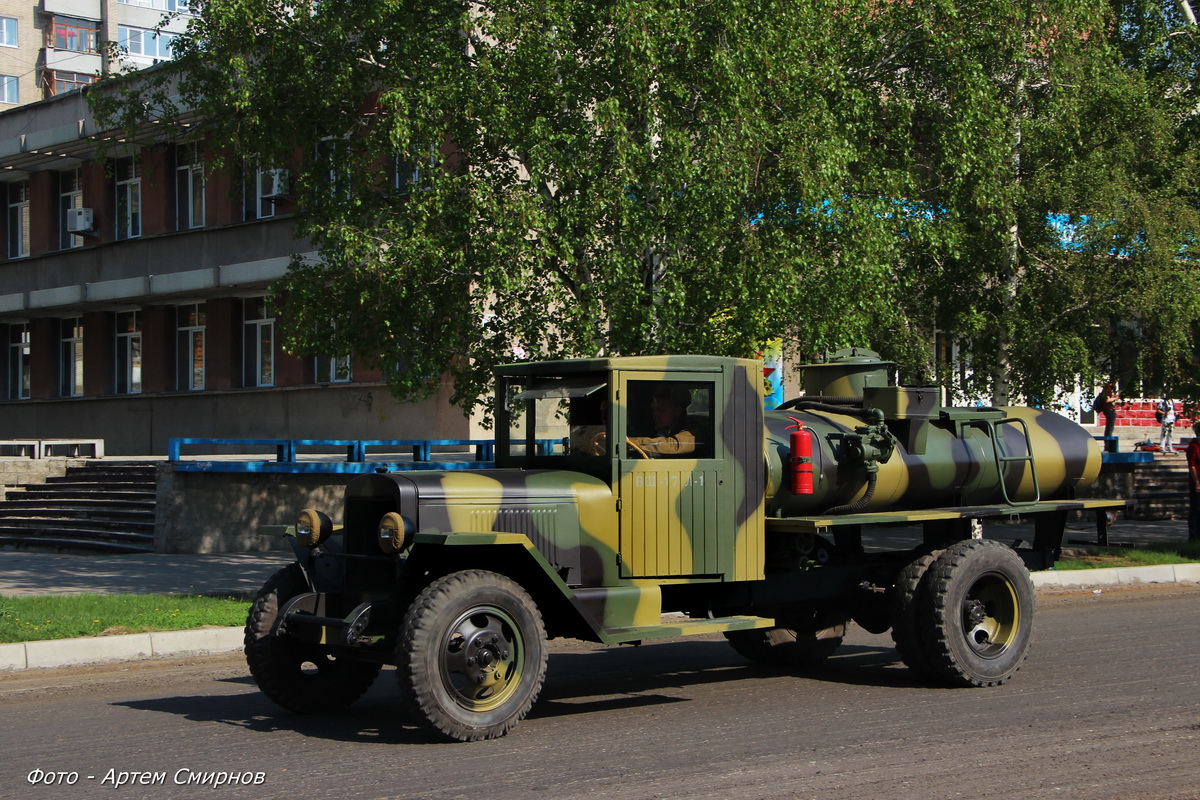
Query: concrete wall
[(138, 425), (201, 512), (21, 471)]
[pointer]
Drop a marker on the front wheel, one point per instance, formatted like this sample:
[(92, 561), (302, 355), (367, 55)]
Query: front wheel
[(471, 657), (977, 613), (301, 677)]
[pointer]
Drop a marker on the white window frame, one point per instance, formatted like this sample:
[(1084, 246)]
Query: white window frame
[(19, 373), (189, 187), (332, 369), (10, 89), (128, 174), (70, 197), (191, 353), (171, 6), (145, 44), (70, 364), (127, 365), (267, 187), (258, 343), (18, 218), (9, 32)]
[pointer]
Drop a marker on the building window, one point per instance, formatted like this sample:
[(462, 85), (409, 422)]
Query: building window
[(335, 369), (69, 33), (60, 81), (128, 173), (70, 197), (327, 153), (263, 188), (18, 362), (129, 353), (10, 89), (71, 357), (174, 6), (189, 187), (8, 32), (258, 352), (189, 343), (144, 43), (18, 219)]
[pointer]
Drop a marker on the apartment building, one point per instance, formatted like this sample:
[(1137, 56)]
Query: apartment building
[(134, 305), (54, 46)]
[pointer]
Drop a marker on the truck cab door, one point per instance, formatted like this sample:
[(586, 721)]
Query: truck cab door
[(670, 483)]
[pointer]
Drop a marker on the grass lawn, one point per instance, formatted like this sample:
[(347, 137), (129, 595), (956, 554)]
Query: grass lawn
[(29, 619), (1149, 556)]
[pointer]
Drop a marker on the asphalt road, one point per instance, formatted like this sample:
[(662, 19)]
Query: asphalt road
[(1108, 706)]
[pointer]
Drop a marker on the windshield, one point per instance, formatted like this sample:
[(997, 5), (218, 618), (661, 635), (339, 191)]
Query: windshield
[(557, 416)]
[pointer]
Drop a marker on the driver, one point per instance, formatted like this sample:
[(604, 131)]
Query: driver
[(673, 434)]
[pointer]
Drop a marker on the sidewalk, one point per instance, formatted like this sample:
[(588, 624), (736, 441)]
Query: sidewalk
[(241, 574)]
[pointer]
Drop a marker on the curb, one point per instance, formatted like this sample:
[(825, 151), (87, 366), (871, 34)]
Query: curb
[(129, 647), (205, 641), (1119, 576)]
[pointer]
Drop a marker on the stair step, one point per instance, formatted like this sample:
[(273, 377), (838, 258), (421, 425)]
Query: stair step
[(66, 545), (79, 531), (99, 507), (84, 482), (45, 520), (98, 494), (63, 512)]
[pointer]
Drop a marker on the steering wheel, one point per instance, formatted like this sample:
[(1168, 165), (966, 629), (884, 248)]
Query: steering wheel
[(637, 449)]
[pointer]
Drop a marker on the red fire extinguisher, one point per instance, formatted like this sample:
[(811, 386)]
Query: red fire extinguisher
[(801, 458)]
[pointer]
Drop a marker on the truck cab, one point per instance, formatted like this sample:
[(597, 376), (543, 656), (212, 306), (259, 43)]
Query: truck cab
[(694, 511)]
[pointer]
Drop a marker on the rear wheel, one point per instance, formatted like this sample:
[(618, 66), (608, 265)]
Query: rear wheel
[(906, 598), (472, 656), (976, 615), (806, 638), (299, 676)]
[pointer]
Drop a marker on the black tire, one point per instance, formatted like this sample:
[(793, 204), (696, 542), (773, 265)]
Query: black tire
[(471, 656), (977, 613), (806, 638), (906, 598), (301, 677)]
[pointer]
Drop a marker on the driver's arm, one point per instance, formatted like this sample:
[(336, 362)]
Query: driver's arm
[(681, 444)]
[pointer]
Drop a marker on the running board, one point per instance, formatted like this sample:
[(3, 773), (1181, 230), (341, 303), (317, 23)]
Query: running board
[(685, 627)]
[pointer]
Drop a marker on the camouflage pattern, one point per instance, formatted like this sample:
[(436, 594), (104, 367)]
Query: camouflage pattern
[(606, 542)]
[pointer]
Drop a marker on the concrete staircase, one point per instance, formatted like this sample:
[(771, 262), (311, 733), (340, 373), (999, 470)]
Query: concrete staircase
[(1160, 489), (105, 507)]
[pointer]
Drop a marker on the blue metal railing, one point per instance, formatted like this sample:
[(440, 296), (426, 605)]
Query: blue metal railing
[(414, 454)]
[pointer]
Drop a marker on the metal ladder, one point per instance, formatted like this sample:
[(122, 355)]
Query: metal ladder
[(1003, 460)]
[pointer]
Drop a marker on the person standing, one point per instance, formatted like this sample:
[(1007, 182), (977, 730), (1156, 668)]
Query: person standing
[(1193, 466), (1103, 404), (1166, 417)]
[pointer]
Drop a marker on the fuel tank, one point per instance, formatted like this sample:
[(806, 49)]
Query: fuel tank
[(877, 447)]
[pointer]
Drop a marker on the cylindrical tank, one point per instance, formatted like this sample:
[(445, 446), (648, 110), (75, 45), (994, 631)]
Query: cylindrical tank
[(943, 458)]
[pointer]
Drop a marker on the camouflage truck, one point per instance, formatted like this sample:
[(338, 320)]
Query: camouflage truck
[(860, 501)]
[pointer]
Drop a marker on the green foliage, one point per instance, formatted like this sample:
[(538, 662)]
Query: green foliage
[(585, 177), (31, 619), (1149, 556)]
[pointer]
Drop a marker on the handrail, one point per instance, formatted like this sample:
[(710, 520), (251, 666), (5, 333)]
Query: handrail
[(1002, 460), (419, 453)]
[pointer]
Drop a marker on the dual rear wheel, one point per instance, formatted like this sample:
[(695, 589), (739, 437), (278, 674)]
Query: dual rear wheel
[(964, 615)]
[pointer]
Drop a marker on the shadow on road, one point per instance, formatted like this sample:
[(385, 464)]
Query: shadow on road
[(604, 679)]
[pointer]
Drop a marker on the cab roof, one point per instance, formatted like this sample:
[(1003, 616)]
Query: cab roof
[(681, 363)]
